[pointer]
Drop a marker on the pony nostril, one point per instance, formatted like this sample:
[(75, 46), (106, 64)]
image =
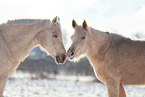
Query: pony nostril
[(57, 59), (63, 58), (72, 53)]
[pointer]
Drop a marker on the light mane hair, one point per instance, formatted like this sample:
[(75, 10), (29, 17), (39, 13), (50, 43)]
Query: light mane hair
[(25, 21), (112, 36)]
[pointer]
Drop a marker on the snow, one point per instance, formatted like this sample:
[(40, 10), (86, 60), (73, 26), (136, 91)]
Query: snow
[(21, 85)]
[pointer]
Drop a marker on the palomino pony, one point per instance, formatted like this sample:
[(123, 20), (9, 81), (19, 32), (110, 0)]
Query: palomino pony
[(18, 37), (116, 60)]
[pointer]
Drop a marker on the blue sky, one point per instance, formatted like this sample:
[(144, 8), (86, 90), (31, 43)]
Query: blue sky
[(124, 17)]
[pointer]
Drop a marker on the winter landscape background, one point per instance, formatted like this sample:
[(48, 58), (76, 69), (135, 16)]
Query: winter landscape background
[(39, 76)]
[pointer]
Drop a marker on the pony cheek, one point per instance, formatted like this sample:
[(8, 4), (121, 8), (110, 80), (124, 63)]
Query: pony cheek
[(83, 49), (79, 51)]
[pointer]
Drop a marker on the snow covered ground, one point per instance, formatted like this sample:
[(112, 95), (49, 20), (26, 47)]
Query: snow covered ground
[(21, 85)]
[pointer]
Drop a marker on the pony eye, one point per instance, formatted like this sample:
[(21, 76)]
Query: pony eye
[(83, 37), (55, 36)]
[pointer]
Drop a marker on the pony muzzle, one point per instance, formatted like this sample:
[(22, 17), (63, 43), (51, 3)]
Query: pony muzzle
[(70, 54), (61, 58)]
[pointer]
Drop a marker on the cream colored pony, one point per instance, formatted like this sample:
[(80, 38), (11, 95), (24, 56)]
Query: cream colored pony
[(116, 60), (18, 37)]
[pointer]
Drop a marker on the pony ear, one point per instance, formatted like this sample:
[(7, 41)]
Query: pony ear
[(55, 20), (85, 25), (74, 24)]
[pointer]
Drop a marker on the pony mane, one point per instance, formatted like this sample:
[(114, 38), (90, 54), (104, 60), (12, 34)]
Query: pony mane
[(25, 21), (118, 37), (113, 36)]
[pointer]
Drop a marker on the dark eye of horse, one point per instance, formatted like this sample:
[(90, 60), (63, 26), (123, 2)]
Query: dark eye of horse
[(83, 37), (55, 36)]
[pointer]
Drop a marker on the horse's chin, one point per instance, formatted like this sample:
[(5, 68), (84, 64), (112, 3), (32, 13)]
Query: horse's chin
[(70, 58), (58, 63), (76, 58)]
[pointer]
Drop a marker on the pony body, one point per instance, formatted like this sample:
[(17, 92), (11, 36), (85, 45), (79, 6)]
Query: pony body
[(18, 37), (116, 60)]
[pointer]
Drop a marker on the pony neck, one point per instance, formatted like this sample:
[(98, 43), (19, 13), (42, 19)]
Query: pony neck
[(21, 39), (97, 42)]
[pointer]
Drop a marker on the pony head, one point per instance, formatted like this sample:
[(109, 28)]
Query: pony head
[(80, 40), (51, 40)]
